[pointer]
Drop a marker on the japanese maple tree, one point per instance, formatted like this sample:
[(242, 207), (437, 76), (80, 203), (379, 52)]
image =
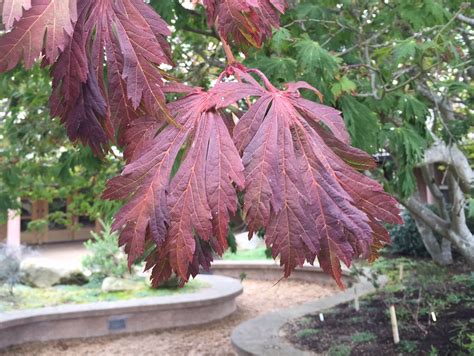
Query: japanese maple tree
[(187, 159)]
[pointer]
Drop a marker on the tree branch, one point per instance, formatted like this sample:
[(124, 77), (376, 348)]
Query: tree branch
[(451, 155), (428, 217), (436, 192), (465, 19), (201, 32), (444, 106)]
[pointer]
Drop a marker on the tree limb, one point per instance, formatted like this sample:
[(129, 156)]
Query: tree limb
[(444, 106), (465, 19), (451, 155), (420, 210), (436, 192)]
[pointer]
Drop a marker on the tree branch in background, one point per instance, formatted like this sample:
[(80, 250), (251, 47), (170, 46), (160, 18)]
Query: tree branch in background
[(451, 155), (465, 19), (435, 191)]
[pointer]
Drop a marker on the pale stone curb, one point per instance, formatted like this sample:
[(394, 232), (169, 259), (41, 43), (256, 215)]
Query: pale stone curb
[(137, 315), (272, 271), (263, 335)]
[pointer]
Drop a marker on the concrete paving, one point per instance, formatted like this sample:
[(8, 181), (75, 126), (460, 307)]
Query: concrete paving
[(67, 254)]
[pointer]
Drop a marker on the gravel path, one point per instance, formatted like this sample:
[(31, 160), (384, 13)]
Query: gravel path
[(259, 297)]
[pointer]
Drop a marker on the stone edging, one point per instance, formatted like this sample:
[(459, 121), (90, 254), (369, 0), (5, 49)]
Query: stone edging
[(263, 336), (106, 318), (272, 271)]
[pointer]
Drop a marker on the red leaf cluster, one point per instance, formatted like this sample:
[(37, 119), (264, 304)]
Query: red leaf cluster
[(247, 22), (296, 172), (124, 36), (289, 156), (186, 216)]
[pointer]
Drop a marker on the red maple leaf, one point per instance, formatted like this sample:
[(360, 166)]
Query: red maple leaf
[(300, 184), (185, 212), (13, 10), (125, 35), (248, 22), (291, 157), (46, 24), (302, 192)]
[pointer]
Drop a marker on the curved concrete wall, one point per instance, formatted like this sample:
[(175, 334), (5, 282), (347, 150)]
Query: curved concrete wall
[(264, 336), (272, 271), (105, 318)]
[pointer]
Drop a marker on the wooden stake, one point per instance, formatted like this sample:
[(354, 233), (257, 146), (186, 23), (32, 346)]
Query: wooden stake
[(400, 270), (393, 320), (356, 300)]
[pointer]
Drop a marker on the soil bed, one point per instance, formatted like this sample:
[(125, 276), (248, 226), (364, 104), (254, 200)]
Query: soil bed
[(449, 294), (259, 297)]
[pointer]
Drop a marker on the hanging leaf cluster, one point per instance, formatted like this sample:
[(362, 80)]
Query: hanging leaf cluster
[(187, 159)]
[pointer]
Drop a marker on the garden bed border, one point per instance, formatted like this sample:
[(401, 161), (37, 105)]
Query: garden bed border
[(264, 335), (130, 316)]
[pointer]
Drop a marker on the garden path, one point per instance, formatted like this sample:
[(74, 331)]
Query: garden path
[(259, 297)]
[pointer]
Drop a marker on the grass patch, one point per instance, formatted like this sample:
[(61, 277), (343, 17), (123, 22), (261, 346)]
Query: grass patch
[(340, 350), (31, 298), (362, 337), (257, 254), (306, 333)]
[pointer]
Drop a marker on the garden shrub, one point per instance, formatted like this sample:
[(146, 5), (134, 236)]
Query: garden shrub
[(9, 266), (406, 239), (106, 258)]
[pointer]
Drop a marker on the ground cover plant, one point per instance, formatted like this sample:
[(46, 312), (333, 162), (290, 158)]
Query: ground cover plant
[(24, 297), (258, 254), (425, 289), (189, 151)]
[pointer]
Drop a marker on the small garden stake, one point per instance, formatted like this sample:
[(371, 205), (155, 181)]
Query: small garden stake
[(356, 300), (393, 320), (400, 272)]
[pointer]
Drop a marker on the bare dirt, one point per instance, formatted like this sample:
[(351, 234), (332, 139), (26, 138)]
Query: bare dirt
[(259, 297), (368, 332)]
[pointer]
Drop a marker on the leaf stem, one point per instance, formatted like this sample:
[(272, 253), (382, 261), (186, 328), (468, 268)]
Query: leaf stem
[(228, 52)]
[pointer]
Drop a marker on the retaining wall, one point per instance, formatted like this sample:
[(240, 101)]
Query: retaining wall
[(106, 318)]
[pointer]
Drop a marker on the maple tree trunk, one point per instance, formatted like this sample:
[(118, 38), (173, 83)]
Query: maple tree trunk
[(450, 220), (440, 252)]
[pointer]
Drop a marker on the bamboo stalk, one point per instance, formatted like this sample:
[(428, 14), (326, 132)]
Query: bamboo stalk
[(393, 321)]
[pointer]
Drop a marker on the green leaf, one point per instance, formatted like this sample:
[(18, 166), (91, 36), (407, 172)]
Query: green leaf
[(405, 50), (344, 85), (313, 58), (281, 40), (280, 69), (361, 123), (413, 109)]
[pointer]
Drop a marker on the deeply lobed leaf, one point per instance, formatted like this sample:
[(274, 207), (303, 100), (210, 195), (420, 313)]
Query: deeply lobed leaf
[(247, 22), (290, 156), (13, 10), (47, 24), (125, 36), (306, 196), (297, 173), (188, 213)]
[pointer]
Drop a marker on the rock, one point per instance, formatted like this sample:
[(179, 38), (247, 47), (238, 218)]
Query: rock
[(43, 273), (39, 274), (112, 284)]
